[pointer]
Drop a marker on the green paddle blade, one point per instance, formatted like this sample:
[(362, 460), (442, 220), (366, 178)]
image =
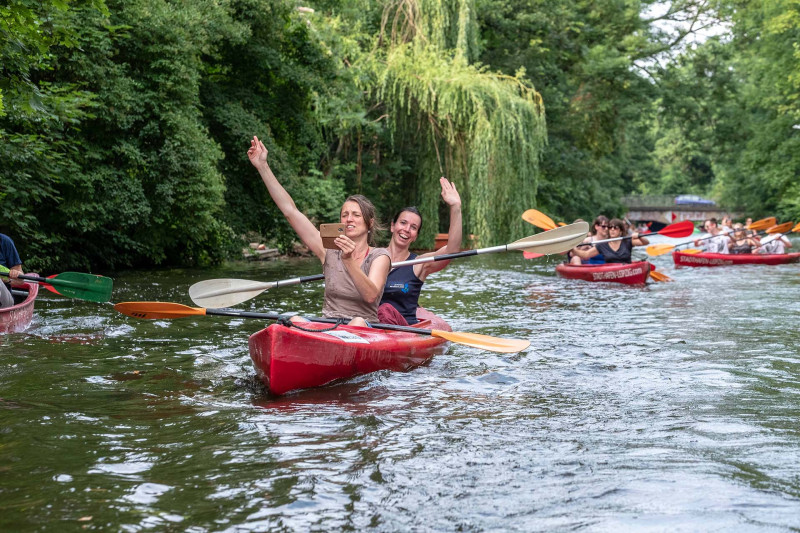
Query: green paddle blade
[(84, 286)]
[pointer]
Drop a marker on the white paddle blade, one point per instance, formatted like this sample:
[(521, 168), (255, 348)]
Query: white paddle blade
[(225, 292), (554, 241)]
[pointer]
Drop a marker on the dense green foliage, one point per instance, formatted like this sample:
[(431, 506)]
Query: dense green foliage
[(124, 125)]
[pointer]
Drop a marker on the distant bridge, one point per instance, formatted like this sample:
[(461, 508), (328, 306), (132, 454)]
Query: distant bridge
[(663, 210)]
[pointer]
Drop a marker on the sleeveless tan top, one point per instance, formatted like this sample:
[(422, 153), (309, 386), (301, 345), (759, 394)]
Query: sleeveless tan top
[(342, 299)]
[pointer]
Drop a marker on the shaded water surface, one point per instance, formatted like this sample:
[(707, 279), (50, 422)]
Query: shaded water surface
[(674, 406)]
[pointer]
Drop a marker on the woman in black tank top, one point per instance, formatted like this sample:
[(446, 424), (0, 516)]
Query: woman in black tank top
[(401, 294), (740, 242), (616, 251)]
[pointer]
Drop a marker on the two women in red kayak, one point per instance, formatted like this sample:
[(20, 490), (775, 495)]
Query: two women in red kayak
[(615, 251), (356, 273)]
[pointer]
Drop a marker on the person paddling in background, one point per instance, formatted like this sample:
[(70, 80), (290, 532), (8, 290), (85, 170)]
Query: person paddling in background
[(718, 243), (740, 242), (599, 233), (726, 225), (615, 251), (355, 274), (401, 295), (9, 260), (775, 245)]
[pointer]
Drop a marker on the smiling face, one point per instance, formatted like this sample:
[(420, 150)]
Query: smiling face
[(353, 219), (406, 229)]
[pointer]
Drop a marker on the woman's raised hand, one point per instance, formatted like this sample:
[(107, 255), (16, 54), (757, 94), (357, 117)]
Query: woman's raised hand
[(257, 153), (449, 193)]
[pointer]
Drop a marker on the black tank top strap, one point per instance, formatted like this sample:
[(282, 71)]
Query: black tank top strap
[(402, 291)]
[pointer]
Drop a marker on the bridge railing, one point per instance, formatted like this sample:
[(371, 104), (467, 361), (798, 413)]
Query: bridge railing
[(661, 200)]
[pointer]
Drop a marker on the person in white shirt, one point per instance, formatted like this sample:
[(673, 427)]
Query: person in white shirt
[(718, 244), (775, 244)]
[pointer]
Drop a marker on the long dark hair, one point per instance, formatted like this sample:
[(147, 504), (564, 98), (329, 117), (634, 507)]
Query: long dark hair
[(410, 209), (601, 219), (368, 212)]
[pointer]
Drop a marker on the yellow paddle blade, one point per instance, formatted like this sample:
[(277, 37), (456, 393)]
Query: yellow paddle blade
[(156, 310), (781, 228), (659, 249), (692, 251), (538, 219), (658, 276), (764, 223), (562, 223), (485, 342)]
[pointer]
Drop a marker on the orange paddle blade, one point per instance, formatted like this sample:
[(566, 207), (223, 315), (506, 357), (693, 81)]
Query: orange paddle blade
[(796, 228), (493, 344), (155, 310), (692, 251), (655, 250), (764, 223), (658, 276), (562, 223), (781, 228), (538, 219)]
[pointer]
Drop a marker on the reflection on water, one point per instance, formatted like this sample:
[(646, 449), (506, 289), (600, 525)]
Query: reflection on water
[(668, 407)]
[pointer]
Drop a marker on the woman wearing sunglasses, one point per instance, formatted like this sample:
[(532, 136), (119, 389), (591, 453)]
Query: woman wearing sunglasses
[(614, 251), (599, 233)]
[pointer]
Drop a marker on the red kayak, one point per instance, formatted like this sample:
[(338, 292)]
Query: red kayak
[(711, 260), (288, 358), (627, 273), (18, 317)]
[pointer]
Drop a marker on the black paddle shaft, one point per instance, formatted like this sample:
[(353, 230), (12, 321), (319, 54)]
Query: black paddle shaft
[(276, 316)]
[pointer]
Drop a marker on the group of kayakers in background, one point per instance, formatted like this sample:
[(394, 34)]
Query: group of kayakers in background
[(725, 238), (737, 239)]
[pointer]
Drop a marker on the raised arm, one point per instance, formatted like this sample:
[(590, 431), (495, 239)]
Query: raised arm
[(454, 234), (307, 232)]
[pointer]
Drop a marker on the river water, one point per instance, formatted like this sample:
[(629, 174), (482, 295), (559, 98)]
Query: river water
[(670, 407)]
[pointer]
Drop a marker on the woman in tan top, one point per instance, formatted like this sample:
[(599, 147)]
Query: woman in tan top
[(355, 274)]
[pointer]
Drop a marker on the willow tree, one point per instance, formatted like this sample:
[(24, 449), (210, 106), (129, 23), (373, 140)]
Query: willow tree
[(485, 131)]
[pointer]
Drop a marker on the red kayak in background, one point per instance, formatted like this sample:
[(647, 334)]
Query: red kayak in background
[(19, 316), (288, 358), (627, 273), (712, 260)]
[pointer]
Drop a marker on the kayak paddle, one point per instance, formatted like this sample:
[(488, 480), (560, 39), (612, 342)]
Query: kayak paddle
[(677, 230), (658, 276), (539, 219), (166, 310), (230, 292), (76, 285)]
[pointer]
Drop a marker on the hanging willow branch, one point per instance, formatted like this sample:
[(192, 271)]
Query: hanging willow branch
[(490, 128), (483, 130)]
